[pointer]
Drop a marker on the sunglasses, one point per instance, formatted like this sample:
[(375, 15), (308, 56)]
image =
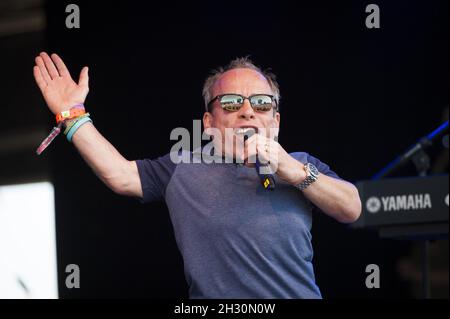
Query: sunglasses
[(233, 102)]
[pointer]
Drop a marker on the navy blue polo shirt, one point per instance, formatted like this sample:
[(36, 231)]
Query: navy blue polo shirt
[(237, 239)]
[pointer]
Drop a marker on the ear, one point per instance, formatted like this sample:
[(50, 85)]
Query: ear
[(277, 119), (207, 120)]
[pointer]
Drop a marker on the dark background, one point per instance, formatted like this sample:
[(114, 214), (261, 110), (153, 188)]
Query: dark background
[(351, 96)]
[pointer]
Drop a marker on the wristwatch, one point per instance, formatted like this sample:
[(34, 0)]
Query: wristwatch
[(312, 173)]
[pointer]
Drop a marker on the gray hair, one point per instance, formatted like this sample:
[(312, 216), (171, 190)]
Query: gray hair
[(239, 63)]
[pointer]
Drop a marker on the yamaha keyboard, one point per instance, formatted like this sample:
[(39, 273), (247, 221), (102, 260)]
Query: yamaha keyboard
[(409, 208)]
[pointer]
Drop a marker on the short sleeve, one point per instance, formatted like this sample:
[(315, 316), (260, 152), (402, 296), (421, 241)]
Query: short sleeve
[(321, 166), (155, 174)]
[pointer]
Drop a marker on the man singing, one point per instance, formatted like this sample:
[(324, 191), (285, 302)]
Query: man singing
[(237, 239)]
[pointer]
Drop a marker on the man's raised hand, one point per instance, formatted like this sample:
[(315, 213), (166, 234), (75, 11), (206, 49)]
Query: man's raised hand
[(60, 91)]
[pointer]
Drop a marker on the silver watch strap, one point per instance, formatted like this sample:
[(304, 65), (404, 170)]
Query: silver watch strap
[(308, 181), (312, 174)]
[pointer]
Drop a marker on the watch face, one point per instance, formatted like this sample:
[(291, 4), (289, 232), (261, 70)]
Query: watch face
[(313, 170)]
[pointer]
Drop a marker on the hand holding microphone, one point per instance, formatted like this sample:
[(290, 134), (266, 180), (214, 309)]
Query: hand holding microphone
[(267, 179)]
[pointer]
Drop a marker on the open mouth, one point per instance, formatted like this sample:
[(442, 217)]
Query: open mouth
[(244, 130)]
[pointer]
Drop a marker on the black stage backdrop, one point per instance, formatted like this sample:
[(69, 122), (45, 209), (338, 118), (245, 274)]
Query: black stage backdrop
[(352, 96)]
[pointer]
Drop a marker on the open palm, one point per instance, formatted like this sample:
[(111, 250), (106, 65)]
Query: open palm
[(60, 91)]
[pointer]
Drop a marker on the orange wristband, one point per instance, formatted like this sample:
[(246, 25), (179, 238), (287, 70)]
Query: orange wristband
[(74, 111)]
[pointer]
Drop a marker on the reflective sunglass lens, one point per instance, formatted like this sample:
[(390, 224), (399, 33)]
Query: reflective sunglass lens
[(231, 102), (262, 102)]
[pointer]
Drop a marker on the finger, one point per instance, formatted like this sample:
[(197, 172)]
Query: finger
[(270, 152), (43, 69), (62, 69), (273, 156), (263, 156), (49, 65), (84, 77), (250, 151), (39, 78), (267, 147), (255, 140), (251, 140), (273, 163)]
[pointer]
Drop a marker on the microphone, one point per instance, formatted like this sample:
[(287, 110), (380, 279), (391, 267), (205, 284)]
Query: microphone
[(267, 180)]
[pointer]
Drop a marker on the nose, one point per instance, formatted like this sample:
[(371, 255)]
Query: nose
[(246, 111)]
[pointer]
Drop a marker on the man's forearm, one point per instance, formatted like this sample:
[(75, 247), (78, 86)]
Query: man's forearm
[(336, 198), (103, 158), (61, 92)]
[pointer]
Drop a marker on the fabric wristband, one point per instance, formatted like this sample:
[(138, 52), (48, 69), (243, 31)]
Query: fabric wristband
[(73, 115), (76, 126), (75, 111)]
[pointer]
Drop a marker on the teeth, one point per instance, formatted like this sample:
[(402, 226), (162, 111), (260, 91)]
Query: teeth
[(243, 130)]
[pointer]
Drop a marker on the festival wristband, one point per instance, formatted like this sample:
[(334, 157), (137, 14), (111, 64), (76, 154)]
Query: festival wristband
[(73, 121), (76, 126), (75, 111), (46, 142)]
